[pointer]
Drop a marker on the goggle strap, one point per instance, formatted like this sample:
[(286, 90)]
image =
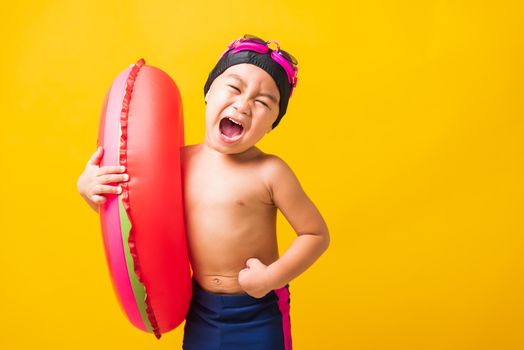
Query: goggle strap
[(284, 64), (251, 46)]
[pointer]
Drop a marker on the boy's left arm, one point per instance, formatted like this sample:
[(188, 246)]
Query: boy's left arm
[(312, 238)]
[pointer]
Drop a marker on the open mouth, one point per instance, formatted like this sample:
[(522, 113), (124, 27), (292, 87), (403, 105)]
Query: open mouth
[(231, 129)]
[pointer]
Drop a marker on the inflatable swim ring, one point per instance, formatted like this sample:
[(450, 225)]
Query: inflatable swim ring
[(141, 128)]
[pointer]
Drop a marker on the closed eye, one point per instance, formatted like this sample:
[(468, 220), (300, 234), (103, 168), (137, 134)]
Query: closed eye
[(234, 87), (265, 104)]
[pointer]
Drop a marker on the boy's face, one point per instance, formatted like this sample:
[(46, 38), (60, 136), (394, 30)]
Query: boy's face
[(242, 104)]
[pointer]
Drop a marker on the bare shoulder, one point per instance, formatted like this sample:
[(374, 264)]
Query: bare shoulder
[(189, 148), (188, 151), (272, 163), (276, 172)]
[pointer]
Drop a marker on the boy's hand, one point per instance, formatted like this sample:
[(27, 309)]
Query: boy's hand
[(254, 279), (94, 182)]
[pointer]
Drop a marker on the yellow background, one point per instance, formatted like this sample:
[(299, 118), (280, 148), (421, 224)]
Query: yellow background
[(406, 129)]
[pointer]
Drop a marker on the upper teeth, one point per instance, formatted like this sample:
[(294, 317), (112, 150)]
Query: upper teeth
[(237, 123)]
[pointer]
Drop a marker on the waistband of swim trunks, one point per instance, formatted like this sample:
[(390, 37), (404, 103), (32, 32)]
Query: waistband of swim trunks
[(213, 299)]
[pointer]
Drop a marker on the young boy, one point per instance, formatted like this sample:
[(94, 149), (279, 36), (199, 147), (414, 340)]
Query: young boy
[(232, 191)]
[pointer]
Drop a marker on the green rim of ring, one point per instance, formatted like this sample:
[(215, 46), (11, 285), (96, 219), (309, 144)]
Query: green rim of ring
[(138, 289)]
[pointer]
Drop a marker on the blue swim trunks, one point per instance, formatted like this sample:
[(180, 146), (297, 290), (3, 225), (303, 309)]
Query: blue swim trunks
[(238, 322)]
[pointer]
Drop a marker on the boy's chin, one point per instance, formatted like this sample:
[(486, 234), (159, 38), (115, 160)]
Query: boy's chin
[(234, 149), (225, 148)]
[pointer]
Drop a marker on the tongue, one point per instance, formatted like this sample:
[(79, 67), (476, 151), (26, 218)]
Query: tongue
[(230, 129)]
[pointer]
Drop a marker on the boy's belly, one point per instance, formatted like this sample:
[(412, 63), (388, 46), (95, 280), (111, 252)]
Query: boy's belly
[(222, 237), (216, 259), (220, 284)]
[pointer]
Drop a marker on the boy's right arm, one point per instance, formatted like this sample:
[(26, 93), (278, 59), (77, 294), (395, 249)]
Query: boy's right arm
[(97, 181)]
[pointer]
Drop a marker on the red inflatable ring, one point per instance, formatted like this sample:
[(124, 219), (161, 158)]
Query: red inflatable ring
[(141, 128)]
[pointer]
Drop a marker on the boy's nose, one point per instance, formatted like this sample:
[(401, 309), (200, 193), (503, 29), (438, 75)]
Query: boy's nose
[(242, 106)]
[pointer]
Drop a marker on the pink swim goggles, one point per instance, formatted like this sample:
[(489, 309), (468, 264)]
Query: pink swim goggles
[(283, 58)]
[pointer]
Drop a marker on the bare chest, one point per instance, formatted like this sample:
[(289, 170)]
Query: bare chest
[(219, 187)]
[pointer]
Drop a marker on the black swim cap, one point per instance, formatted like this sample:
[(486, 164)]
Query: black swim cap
[(261, 60)]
